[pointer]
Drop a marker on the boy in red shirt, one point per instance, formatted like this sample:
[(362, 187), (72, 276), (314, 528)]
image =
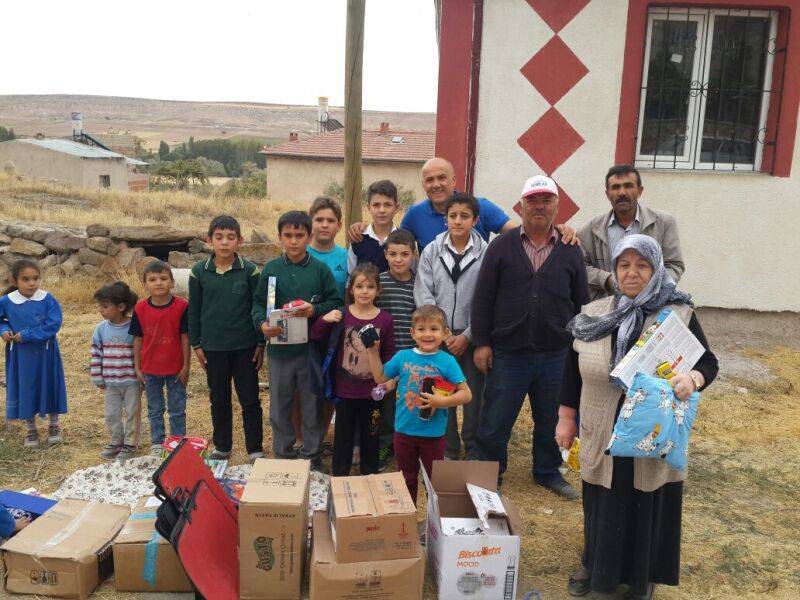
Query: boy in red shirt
[(160, 330)]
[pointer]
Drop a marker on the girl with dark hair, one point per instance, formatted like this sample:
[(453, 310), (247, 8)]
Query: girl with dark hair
[(113, 369), (30, 318), (356, 411)]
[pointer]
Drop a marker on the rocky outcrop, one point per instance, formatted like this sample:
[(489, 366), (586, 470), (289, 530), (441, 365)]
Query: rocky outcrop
[(102, 251), (152, 234)]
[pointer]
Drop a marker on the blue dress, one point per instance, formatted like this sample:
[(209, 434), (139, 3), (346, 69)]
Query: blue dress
[(34, 372)]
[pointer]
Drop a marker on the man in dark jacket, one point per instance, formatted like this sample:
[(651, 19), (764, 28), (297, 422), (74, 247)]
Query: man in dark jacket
[(531, 285)]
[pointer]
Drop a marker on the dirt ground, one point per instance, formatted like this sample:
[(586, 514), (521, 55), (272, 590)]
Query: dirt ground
[(741, 528)]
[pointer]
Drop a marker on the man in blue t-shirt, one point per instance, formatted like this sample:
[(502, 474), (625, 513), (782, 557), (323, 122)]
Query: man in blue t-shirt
[(426, 219)]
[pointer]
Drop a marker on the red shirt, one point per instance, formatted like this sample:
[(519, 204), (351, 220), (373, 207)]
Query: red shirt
[(160, 328)]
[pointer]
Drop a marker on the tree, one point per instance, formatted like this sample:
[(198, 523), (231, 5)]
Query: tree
[(7, 134), (183, 172), (163, 150)]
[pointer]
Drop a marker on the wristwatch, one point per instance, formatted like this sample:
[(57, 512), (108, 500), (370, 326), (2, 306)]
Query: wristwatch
[(696, 378)]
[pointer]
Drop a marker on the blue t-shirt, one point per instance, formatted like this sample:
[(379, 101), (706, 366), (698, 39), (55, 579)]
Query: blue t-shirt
[(336, 259), (425, 223), (411, 366)]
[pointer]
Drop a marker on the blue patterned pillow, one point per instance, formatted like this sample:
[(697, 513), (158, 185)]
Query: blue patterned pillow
[(653, 423)]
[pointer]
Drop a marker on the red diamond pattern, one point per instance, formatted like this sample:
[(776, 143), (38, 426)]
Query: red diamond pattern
[(550, 141), (566, 207), (557, 13), (554, 70)]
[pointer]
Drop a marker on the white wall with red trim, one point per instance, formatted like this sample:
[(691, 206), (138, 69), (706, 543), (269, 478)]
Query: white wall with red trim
[(740, 232)]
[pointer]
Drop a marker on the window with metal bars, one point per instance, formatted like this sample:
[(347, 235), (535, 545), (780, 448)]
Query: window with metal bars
[(706, 89)]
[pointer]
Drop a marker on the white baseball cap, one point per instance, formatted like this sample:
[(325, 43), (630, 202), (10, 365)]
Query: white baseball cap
[(539, 184)]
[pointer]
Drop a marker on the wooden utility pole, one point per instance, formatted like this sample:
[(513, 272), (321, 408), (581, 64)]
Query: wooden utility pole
[(354, 60)]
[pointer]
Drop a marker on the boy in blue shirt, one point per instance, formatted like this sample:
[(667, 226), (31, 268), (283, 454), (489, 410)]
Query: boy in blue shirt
[(326, 221), (415, 436)]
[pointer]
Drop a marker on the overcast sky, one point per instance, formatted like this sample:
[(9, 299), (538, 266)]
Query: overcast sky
[(283, 51)]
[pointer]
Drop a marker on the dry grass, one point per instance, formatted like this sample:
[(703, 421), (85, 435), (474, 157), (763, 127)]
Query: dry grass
[(47, 202), (741, 536)]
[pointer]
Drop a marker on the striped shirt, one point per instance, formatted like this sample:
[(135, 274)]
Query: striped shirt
[(537, 255), (112, 355), (616, 232), (397, 298)]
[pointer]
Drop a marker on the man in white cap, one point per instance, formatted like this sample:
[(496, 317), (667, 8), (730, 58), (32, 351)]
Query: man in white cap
[(531, 285)]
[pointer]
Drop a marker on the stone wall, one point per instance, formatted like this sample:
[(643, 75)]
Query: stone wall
[(102, 251)]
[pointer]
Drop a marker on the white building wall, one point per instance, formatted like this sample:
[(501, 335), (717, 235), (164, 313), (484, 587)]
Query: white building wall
[(739, 231), (36, 162)]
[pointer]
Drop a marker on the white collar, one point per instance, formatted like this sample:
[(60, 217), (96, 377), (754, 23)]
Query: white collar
[(448, 242), (370, 231), (421, 353), (18, 298)]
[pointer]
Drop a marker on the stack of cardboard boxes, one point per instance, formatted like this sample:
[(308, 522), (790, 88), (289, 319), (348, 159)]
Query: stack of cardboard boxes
[(366, 545)]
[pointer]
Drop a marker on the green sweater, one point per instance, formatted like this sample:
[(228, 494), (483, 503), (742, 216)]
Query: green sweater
[(310, 280), (220, 305)]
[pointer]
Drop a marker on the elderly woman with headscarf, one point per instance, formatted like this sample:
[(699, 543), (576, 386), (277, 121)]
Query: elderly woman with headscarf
[(631, 506)]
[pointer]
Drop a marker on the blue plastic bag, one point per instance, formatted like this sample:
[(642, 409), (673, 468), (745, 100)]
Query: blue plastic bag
[(653, 423)]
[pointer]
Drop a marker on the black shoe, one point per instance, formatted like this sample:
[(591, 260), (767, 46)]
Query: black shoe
[(648, 595), (580, 582), (385, 456), (561, 488)]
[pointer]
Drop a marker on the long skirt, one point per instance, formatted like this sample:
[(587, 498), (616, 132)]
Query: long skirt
[(631, 537)]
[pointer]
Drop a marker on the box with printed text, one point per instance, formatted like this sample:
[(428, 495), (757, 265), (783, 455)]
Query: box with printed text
[(473, 533), (372, 518), (273, 529)]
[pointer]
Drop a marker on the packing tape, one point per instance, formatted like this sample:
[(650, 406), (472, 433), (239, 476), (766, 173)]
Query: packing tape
[(64, 533), (142, 517), (151, 559)]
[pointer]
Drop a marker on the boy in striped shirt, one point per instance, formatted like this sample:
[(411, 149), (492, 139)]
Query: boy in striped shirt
[(396, 298), (113, 371)]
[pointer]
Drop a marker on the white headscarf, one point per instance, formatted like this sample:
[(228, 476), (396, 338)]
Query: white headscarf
[(629, 313)]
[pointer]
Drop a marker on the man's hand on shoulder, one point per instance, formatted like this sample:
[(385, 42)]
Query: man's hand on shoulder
[(568, 235), (355, 231)]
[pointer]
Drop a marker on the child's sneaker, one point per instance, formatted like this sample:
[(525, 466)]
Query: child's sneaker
[(156, 450), (255, 456), (219, 455), (54, 435), (110, 451), (126, 452), (32, 439)]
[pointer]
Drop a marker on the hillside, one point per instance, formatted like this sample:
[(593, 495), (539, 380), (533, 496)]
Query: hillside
[(175, 121)]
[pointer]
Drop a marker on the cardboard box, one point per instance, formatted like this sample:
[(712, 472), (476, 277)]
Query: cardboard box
[(467, 558), (143, 560), (398, 579), (273, 529), (66, 552), (372, 518)]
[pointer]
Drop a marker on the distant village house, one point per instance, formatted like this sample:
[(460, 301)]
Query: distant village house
[(77, 164), (300, 169)]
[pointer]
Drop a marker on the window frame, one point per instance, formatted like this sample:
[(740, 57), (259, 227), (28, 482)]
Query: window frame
[(705, 17), (782, 115)]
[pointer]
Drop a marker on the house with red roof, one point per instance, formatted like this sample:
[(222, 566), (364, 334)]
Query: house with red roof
[(299, 170)]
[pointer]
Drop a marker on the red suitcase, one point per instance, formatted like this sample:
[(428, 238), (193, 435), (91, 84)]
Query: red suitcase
[(205, 538), (179, 473)]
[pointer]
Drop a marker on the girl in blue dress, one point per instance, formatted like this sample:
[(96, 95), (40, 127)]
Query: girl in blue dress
[(29, 321)]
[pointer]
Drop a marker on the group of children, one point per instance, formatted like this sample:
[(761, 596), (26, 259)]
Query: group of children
[(379, 334)]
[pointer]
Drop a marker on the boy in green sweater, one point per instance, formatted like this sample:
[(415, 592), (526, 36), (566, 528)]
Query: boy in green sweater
[(224, 340), (298, 276)]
